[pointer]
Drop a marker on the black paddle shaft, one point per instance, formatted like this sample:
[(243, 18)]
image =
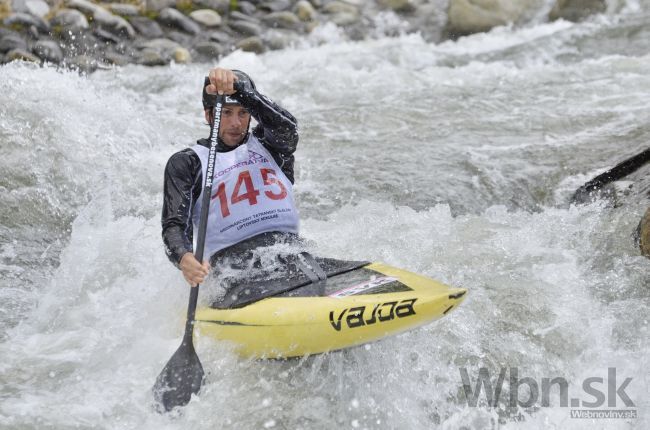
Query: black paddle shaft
[(616, 173), (183, 374), (205, 207)]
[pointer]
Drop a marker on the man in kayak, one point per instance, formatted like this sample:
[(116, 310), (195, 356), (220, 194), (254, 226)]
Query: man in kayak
[(252, 194)]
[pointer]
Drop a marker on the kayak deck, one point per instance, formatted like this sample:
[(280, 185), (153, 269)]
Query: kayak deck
[(360, 305)]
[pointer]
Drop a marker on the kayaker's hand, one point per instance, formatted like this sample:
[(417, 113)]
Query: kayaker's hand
[(221, 81), (193, 271)]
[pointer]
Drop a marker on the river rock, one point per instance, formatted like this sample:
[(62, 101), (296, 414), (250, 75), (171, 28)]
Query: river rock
[(115, 59), (209, 49), (238, 16), (105, 35), (37, 8), (285, 19), (124, 9), (402, 6), (86, 7), (12, 41), (48, 50), (150, 57), (183, 39), (305, 11), (181, 55), (221, 6), (69, 20), (164, 47), (146, 27), (245, 28), (344, 19), (275, 5), (158, 5), (576, 10), (6, 32), (12, 6), (175, 19), (337, 7), (251, 44), (160, 44), (475, 16), (246, 7), (113, 23), (206, 17), (27, 20), (22, 55), (644, 234), (220, 37)]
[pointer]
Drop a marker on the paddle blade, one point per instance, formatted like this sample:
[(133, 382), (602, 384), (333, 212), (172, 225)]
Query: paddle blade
[(181, 377)]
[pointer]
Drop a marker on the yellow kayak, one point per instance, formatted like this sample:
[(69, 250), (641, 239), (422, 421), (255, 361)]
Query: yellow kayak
[(360, 305)]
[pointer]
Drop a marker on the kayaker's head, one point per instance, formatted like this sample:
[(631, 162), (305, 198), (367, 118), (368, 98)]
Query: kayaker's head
[(235, 118)]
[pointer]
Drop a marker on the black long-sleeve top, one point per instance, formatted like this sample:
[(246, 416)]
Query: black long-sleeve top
[(277, 131)]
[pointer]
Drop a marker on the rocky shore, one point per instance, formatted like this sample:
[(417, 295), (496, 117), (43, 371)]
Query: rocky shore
[(85, 35)]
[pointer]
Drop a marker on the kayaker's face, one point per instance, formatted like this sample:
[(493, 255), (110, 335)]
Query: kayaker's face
[(234, 123)]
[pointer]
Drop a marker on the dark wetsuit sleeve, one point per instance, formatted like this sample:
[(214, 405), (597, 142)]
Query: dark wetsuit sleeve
[(277, 129), (181, 189)]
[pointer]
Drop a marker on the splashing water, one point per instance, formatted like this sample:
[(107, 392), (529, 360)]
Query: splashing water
[(452, 160)]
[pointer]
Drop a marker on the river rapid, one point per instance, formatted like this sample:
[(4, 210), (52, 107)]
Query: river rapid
[(455, 160)]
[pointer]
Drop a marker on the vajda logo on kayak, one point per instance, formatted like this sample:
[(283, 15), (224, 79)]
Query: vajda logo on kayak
[(355, 317)]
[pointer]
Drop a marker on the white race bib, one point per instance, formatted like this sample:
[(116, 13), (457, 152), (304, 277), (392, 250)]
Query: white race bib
[(250, 195)]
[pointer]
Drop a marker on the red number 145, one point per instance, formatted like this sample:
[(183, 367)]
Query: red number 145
[(249, 192)]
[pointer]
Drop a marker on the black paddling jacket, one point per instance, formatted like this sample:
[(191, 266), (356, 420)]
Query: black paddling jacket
[(276, 129)]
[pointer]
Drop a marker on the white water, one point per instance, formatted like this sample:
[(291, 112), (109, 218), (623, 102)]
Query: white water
[(453, 160)]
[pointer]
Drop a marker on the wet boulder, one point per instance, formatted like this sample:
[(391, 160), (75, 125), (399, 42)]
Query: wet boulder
[(206, 17), (400, 6), (476, 16), (158, 5), (220, 37), (12, 41), (305, 11), (576, 10), (48, 50), (113, 23), (161, 51), (84, 6), (26, 20), (284, 19), (22, 55), (69, 20), (221, 6), (275, 5), (251, 44), (245, 28), (146, 27), (124, 9), (37, 8), (175, 19), (246, 7), (181, 56), (210, 50), (341, 13)]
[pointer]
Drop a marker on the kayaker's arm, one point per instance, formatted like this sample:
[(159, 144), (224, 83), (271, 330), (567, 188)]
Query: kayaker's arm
[(182, 174), (276, 128)]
